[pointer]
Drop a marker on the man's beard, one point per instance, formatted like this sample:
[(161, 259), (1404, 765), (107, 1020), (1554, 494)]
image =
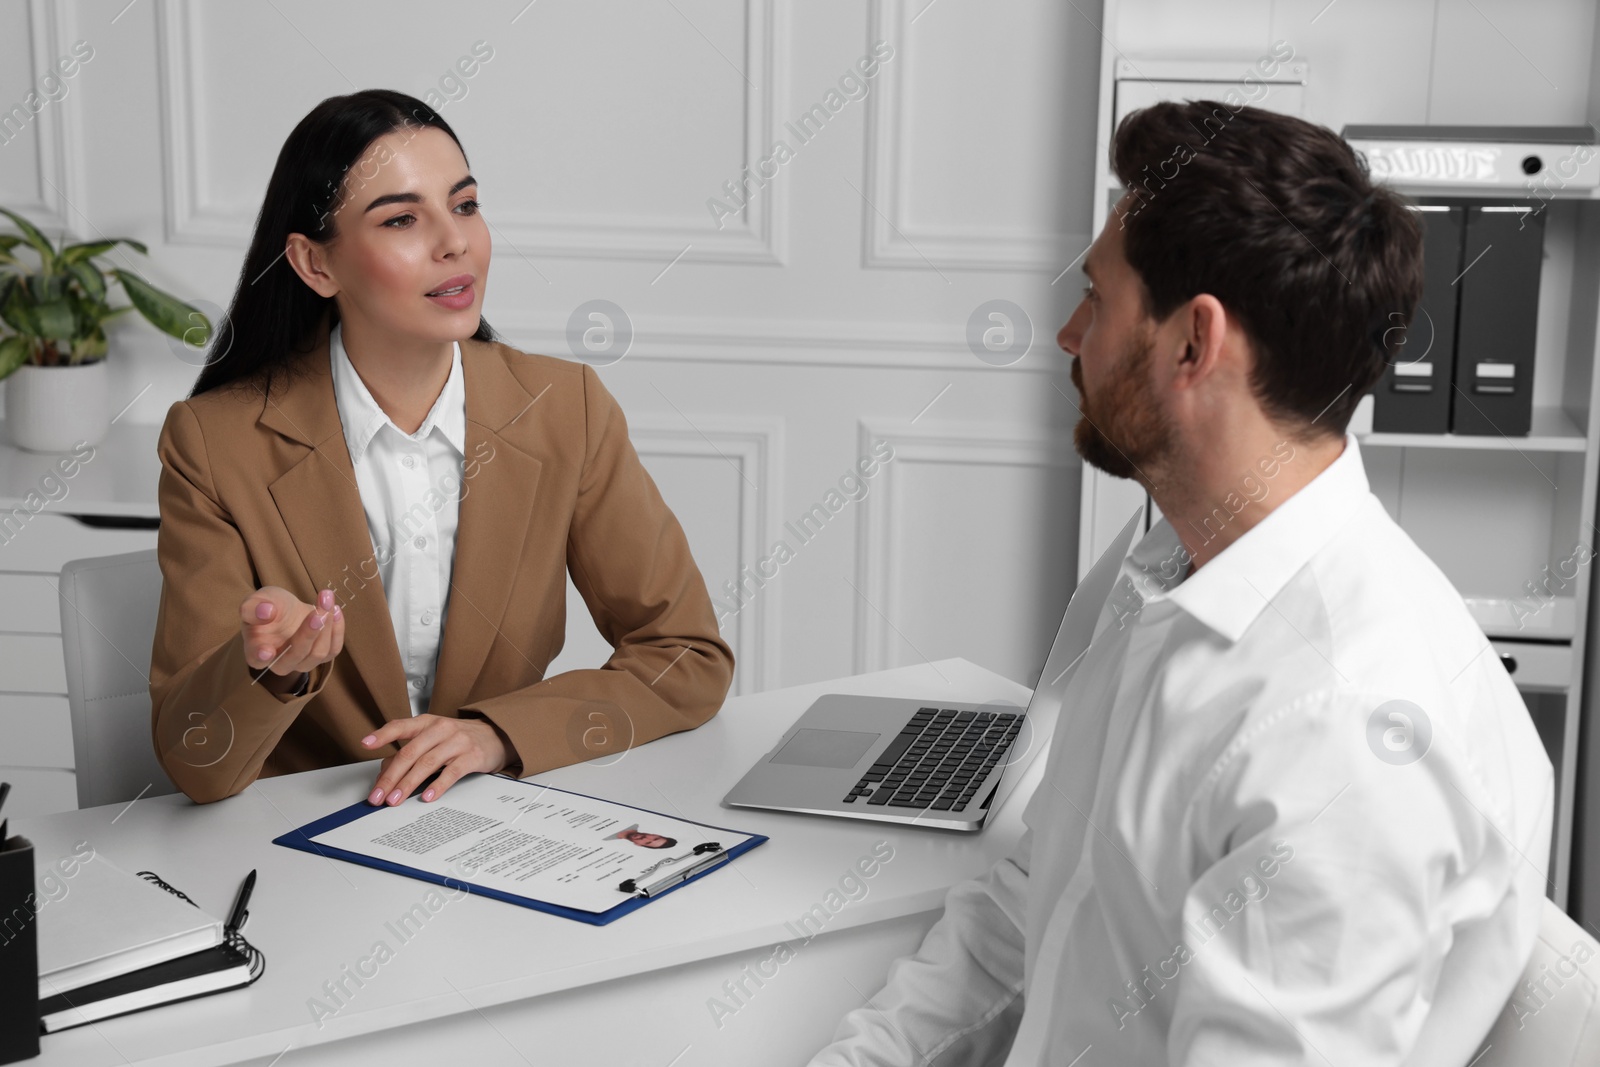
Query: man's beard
[(1123, 431)]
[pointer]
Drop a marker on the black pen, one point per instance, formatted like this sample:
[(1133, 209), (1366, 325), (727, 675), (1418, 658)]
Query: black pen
[(240, 913), (5, 788)]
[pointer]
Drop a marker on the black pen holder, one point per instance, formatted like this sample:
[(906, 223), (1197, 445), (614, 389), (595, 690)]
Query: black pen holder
[(19, 953)]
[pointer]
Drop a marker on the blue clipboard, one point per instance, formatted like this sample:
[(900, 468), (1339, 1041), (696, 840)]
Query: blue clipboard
[(300, 838)]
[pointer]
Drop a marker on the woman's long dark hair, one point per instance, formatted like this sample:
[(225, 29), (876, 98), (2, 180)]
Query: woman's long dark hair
[(275, 316)]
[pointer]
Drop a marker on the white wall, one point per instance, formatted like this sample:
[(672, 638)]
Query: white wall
[(772, 352)]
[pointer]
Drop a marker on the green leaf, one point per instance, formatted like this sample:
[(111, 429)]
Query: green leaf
[(91, 346), (13, 354), (47, 286), (198, 332), (92, 281), (85, 315), (51, 319), (17, 310), (56, 320), (31, 234), (163, 310), (80, 253)]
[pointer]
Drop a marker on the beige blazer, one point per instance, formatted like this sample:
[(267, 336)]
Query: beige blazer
[(258, 490)]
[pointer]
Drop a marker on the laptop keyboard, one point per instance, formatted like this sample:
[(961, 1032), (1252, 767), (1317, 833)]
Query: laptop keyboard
[(938, 760)]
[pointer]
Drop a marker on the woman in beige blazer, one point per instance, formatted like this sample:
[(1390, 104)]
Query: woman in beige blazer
[(275, 650)]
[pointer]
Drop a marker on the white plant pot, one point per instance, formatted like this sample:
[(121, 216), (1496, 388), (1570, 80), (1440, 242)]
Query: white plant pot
[(51, 409)]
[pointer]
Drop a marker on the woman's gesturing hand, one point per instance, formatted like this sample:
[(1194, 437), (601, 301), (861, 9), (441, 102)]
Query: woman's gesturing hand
[(453, 747), (287, 635)]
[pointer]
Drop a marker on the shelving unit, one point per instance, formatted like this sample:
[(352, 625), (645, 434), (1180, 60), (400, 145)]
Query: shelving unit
[(1502, 517), (1553, 431)]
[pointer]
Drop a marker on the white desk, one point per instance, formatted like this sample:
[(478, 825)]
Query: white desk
[(119, 482), (487, 982)]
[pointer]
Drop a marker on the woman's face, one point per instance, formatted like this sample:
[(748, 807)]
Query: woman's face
[(407, 226)]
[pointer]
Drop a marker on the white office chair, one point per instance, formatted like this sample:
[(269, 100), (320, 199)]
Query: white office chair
[(108, 627), (1557, 1024)]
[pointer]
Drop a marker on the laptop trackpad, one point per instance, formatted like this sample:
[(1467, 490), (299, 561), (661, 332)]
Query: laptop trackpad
[(825, 748)]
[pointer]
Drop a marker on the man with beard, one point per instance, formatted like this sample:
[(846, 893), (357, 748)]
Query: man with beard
[(1295, 811)]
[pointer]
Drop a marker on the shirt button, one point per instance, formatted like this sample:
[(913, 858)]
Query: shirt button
[(421, 542), (410, 461), (427, 617)]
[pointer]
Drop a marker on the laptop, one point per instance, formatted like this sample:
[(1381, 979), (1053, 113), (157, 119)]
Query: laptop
[(926, 762)]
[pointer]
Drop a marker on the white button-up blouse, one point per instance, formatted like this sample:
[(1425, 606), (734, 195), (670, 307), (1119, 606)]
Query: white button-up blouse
[(410, 489)]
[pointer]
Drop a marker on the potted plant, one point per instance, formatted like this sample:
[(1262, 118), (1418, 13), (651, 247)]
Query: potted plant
[(53, 360)]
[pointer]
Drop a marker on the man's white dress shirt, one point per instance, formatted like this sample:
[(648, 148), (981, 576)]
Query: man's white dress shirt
[(1295, 812), (410, 489)]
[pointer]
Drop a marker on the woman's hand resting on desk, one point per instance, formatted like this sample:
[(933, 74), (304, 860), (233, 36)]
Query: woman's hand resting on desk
[(453, 747), (288, 636)]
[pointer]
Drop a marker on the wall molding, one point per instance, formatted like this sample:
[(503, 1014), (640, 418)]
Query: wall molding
[(60, 184), (762, 237), (964, 444), (799, 342), (754, 446), (888, 239)]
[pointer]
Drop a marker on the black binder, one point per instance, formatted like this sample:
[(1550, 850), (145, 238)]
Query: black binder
[(1414, 395), (1498, 325)]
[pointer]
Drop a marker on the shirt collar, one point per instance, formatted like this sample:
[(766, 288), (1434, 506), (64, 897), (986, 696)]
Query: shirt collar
[(1235, 586), (363, 418)]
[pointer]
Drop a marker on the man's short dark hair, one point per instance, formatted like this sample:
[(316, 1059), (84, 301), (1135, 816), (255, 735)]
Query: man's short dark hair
[(1279, 220)]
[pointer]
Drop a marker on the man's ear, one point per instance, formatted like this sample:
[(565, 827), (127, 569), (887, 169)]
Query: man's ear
[(1206, 328)]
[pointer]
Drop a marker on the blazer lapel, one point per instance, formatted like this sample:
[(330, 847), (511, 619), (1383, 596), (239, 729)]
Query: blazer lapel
[(321, 505), (497, 495)]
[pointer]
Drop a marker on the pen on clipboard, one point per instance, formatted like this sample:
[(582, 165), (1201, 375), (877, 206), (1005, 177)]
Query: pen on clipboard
[(670, 880)]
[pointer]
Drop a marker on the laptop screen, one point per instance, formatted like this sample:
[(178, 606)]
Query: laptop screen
[(1083, 612)]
